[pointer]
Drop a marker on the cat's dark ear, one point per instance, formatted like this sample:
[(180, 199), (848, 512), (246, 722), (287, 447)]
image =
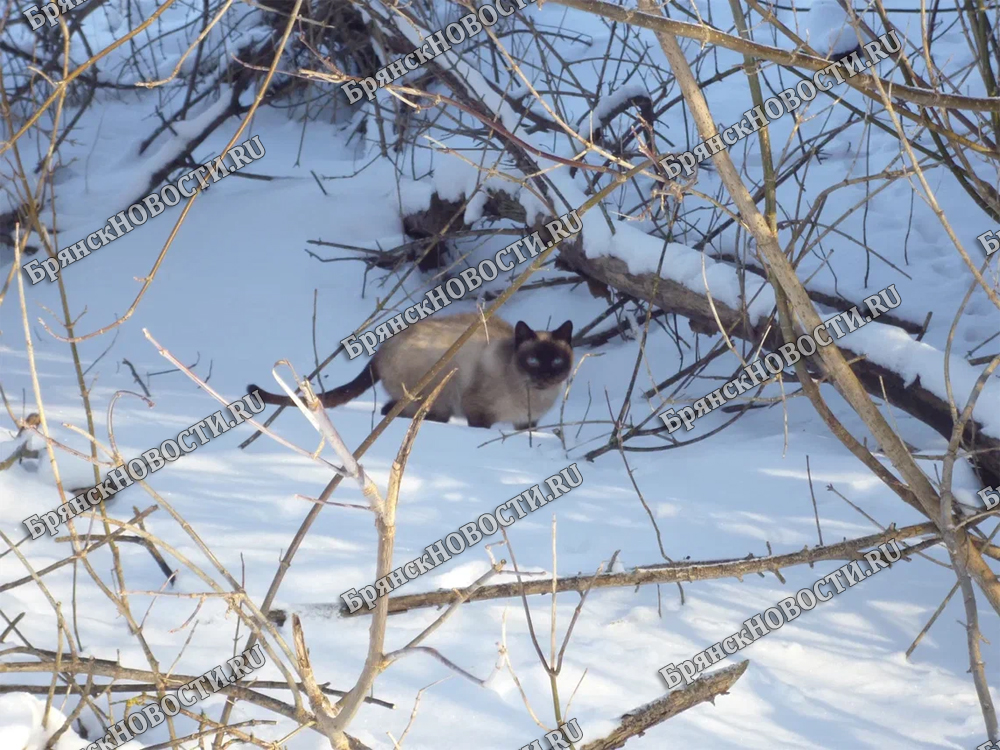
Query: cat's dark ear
[(522, 333), (564, 332)]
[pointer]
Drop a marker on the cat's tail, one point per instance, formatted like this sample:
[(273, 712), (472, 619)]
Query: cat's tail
[(335, 397)]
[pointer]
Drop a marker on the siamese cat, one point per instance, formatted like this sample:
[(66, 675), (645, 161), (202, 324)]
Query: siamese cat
[(505, 374)]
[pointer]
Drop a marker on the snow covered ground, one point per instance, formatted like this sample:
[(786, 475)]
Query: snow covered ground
[(236, 293)]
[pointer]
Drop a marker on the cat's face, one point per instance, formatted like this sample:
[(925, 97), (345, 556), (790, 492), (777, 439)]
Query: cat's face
[(545, 357)]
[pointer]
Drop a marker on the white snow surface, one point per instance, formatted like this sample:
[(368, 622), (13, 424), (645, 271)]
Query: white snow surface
[(25, 726), (608, 103), (235, 293), (828, 28)]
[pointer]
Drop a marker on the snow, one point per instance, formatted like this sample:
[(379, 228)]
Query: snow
[(896, 350), (23, 726), (170, 149), (236, 293), (828, 28), (609, 103)]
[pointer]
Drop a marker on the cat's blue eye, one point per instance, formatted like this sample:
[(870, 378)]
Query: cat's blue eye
[(532, 361), (557, 362)]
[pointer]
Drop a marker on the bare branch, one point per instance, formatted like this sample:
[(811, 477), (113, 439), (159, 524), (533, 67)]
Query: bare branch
[(635, 723), (663, 573)]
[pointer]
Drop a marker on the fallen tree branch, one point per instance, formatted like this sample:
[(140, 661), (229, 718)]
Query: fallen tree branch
[(637, 722), (673, 297), (660, 573)]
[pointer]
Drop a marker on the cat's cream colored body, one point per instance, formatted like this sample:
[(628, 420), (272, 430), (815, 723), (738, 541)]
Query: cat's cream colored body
[(488, 387)]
